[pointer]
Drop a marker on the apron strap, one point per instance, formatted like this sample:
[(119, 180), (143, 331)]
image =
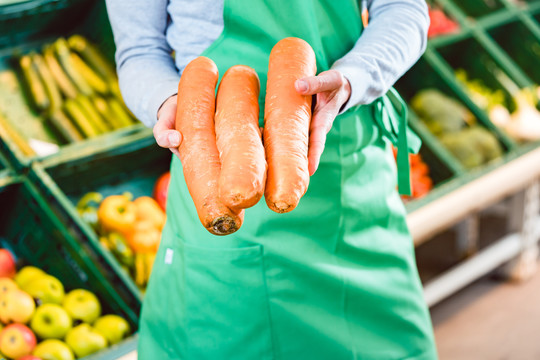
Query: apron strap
[(391, 118)]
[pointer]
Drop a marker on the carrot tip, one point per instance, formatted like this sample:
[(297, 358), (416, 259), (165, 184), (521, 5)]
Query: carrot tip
[(281, 207), (224, 225)]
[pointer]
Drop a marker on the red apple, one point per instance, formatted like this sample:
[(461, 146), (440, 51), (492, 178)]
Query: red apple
[(7, 264), (29, 357), (161, 189), (17, 340)]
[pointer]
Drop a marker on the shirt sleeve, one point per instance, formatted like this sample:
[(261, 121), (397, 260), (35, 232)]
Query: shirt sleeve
[(146, 69), (394, 40)]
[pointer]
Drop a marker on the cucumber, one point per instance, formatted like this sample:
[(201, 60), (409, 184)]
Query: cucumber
[(65, 126), (78, 116), (92, 114), (48, 81), (36, 89), (62, 80)]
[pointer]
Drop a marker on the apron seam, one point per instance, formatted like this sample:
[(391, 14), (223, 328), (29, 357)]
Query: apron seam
[(341, 231)]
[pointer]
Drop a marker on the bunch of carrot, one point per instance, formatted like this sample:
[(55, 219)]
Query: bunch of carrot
[(226, 166)]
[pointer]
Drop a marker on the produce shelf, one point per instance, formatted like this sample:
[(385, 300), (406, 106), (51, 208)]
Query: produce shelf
[(125, 167), (87, 18), (471, 193), (37, 237)]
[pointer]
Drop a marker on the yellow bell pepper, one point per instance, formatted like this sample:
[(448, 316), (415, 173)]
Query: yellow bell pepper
[(117, 213)]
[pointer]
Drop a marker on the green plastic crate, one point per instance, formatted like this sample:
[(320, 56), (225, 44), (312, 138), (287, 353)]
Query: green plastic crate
[(29, 19), (37, 237), (90, 20), (476, 8), (132, 167)]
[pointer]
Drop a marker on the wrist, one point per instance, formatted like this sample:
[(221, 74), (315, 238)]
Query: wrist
[(169, 100)]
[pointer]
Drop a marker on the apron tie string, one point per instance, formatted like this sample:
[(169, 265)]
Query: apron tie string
[(391, 118)]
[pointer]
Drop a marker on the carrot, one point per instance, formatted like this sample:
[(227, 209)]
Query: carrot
[(243, 163), (287, 116), (198, 151)]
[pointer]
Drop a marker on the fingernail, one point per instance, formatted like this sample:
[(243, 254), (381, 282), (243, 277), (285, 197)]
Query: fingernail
[(301, 85), (174, 139), (160, 139)]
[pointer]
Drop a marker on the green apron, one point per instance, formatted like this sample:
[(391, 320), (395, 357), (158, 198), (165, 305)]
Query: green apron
[(335, 278)]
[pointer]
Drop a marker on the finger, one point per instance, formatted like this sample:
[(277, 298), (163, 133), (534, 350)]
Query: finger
[(325, 81), (164, 130), (320, 126), (168, 138)]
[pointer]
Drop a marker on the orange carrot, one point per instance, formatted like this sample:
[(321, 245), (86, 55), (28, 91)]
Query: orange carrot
[(287, 116), (198, 151), (243, 163)]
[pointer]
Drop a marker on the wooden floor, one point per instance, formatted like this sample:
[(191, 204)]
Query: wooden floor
[(490, 320)]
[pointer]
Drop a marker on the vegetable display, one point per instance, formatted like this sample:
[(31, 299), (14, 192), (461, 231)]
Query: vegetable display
[(523, 123), (198, 152), (287, 117), (238, 137), (421, 182), (71, 89), (455, 126), (440, 24), (41, 318), (129, 229)]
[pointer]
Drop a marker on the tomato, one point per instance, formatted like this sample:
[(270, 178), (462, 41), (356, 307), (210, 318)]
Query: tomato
[(161, 189)]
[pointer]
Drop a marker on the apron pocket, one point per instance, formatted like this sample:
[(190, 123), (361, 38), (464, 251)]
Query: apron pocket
[(226, 306)]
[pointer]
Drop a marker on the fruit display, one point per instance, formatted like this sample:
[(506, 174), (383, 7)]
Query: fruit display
[(523, 123), (41, 322), (440, 24), (129, 228), (455, 126), (68, 91)]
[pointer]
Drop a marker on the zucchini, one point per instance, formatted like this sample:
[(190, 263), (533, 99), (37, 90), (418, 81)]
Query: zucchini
[(76, 113), (36, 89), (48, 81), (62, 80), (92, 114), (63, 52), (65, 126)]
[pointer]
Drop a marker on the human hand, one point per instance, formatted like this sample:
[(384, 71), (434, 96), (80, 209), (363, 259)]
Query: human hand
[(164, 131), (332, 90)]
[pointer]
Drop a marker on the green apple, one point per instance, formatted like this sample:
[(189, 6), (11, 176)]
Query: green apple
[(53, 349), (113, 327), (51, 321), (27, 274), (46, 290), (84, 340), (17, 340), (16, 306), (82, 305)]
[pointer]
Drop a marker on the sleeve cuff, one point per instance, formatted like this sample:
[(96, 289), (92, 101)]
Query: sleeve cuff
[(359, 81), (162, 93)]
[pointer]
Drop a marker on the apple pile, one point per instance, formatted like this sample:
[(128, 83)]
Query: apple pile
[(129, 228), (40, 321)]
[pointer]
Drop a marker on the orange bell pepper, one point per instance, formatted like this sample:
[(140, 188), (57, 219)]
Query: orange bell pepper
[(117, 213), (149, 210), (144, 238)]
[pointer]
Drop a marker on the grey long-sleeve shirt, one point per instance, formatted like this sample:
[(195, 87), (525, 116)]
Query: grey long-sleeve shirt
[(146, 31)]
